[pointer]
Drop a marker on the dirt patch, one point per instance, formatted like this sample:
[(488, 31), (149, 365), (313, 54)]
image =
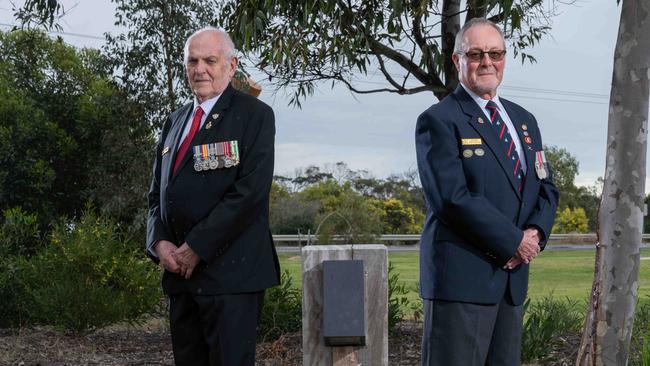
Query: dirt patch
[(150, 345)]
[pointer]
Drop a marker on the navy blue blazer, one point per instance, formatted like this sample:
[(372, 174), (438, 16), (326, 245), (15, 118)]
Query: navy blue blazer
[(476, 215), (223, 213)]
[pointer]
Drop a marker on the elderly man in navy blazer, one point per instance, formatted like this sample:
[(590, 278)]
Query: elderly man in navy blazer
[(491, 204), (208, 210)]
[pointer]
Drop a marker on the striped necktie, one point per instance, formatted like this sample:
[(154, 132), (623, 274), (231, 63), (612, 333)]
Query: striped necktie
[(506, 140)]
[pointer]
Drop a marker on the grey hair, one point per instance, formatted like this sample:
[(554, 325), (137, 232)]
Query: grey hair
[(229, 51), (473, 23)]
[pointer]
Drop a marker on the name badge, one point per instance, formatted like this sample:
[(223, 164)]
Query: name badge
[(469, 142)]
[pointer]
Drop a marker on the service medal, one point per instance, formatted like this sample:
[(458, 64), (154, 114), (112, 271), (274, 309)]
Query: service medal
[(540, 165), (197, 159)]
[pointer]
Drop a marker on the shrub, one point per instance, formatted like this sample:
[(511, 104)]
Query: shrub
[(545, 322), (571, 221), (87, 278), (398, 302), (19, 233), (282, 310)]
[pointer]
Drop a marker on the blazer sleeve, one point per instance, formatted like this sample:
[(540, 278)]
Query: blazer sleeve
[(155, 227), (246, 197), (469, 215)]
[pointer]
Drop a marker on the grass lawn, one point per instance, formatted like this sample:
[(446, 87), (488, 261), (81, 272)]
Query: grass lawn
[(557, 273)]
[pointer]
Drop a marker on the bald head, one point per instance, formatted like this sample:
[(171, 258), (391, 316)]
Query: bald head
[(209, 62)]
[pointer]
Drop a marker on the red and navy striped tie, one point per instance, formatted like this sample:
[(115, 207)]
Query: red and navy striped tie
[(508, 143)]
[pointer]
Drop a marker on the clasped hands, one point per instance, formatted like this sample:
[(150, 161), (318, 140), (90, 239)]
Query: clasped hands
[(181, 260), (527, 250)]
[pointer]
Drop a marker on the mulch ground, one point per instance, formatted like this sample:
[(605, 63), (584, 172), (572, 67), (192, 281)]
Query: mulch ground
[(151, 346)]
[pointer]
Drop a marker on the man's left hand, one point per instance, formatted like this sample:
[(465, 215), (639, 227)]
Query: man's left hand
[(186, 259)]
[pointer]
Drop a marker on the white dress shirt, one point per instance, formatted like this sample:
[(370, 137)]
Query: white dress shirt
[(506, 119)]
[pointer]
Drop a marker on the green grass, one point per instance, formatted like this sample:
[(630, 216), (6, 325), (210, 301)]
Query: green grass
[(557, 273)]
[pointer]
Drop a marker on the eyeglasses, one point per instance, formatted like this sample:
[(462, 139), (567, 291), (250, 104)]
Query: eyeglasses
[(477, 55)]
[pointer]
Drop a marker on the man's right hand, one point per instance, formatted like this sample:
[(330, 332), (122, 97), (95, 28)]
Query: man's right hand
[(164, 249)]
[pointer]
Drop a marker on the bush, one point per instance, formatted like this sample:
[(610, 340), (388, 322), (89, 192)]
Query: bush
[(282, 310), (398, 301), (19, 233), (86, 278), (545, 322), (571, 221)]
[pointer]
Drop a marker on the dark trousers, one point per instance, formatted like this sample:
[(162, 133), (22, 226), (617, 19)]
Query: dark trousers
[(465, 334), (217, 330)]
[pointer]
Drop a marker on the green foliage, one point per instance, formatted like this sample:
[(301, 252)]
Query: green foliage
[(640, 347), (69, 133), (44, 13), (565, 169), (348, 215), (293, 215), (86, 278), (545, 322), (299, 44), (148, 56), (398, 302), (571, 221), (19, 233), (396, 217), (282, 310)]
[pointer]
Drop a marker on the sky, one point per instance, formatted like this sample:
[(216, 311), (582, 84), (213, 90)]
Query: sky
[(567, 90)]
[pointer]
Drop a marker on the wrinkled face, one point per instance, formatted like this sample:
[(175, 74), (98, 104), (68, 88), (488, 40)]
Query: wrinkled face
[(209, 68), (484, 76)]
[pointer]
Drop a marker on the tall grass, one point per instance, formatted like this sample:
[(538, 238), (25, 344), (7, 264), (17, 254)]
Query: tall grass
[(546, 324)]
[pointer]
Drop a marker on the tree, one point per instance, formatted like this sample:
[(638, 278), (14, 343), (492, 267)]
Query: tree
[(69, 133), (608, 326), (149, 55), (565, 169), (45, 13), (410, 42)]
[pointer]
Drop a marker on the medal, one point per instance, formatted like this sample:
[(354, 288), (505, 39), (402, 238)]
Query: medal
[(528, 140), (212, 151), (198, 166), (467, 153), (540, 165), (479, 152), (235, 152)]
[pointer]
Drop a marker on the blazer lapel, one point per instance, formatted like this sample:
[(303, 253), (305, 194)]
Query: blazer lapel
[(482, 125), (523, 126), (179, 126), (211, 124)]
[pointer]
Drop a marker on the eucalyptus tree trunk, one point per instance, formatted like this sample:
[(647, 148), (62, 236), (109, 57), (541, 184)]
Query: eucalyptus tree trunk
[(608, 326)]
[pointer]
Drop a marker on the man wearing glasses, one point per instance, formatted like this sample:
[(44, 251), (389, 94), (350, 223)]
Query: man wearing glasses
[(491, 204)]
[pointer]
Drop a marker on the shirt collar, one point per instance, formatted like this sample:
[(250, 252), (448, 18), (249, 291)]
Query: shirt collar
[(207, 105), (480, 101)]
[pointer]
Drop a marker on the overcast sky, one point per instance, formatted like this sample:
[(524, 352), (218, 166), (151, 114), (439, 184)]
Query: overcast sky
[(567, 90)]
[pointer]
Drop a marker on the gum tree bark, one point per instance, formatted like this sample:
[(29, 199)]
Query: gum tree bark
[(608, 326)]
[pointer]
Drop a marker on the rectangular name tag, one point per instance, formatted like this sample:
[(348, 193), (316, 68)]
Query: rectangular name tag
[(468, 142)]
